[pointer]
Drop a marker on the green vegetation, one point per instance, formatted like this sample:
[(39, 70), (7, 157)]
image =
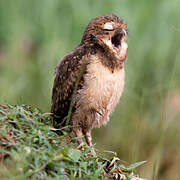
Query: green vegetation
[(30, 149), (34, 35)]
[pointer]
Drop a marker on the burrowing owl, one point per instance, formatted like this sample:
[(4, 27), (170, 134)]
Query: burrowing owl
[(90, 80)]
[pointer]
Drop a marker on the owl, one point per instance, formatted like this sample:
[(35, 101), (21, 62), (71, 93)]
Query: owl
[(89, 81)]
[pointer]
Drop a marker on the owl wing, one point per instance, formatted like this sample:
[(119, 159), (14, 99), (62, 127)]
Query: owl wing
[(68, 79)]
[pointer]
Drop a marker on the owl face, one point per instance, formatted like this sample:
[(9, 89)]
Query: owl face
[(114, 37), (110, 32)]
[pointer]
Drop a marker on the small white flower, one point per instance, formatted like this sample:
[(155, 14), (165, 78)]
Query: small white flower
[(27, 149)]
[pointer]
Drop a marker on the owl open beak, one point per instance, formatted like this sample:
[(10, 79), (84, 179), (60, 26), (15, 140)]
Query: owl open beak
[(117, 38)]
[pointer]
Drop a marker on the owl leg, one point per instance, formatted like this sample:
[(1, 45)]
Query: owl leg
[(79, 134), (88, 137), (89, 141)]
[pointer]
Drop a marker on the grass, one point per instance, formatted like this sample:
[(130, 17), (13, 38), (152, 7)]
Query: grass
[(30, 149)]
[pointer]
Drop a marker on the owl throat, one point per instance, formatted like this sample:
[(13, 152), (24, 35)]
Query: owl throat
[(114, 52)]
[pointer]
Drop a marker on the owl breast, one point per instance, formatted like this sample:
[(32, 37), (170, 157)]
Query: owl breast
[(101, 92)]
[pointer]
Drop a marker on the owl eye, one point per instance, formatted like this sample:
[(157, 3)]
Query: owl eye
[(108, 26)]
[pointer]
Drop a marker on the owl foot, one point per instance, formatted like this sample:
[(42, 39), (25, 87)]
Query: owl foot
[(79, 134)]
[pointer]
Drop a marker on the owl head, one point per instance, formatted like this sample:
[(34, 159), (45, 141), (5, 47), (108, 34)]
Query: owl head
[(108, 32)]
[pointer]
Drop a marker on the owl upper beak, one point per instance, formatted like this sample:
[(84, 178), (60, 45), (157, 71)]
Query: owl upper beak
[(123, 32)]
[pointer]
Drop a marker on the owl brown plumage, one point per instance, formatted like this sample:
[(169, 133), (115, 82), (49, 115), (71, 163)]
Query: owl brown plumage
[(90, 80)]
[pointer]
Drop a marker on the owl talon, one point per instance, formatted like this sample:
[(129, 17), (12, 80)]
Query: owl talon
[(81, 146)]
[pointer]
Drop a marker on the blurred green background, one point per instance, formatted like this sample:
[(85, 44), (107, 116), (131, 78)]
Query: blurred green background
[(35, 34)]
